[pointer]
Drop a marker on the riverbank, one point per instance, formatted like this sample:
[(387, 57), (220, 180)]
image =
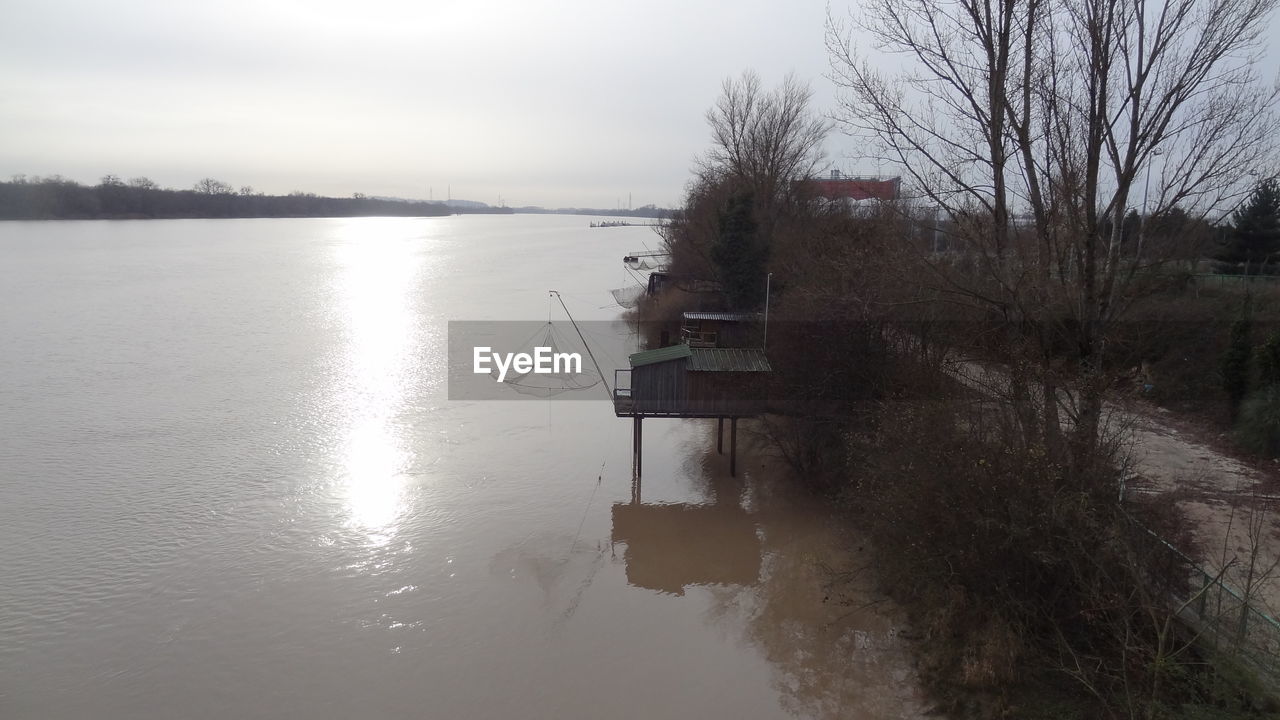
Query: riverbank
[(61, 199), (1007, 565)]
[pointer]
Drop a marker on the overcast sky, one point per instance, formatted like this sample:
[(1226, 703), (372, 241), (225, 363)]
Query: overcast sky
[(564, 103)]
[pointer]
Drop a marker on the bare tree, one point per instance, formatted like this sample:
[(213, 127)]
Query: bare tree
[(1034, 125), (209, 186), (764, 139)]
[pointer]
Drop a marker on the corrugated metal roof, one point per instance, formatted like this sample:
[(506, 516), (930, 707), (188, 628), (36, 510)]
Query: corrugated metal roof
[(649, 357), (728, 360), (728, 316)]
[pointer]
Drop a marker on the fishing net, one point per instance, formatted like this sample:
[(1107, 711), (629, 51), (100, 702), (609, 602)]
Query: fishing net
[(636, 263), (628, 297), (565, 377)]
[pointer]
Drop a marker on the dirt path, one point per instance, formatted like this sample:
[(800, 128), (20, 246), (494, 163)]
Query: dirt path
[(1231, 504)]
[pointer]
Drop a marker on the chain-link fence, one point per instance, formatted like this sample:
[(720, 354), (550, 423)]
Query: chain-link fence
[(1226, 618), (1231, 621)]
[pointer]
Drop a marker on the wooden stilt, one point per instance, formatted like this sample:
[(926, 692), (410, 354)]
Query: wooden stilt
[(733, 447), (635, 489), (638, 443), (719, 436)]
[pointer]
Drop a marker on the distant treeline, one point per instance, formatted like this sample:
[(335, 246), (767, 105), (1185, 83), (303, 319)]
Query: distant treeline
[(648, 211), (57, 198)]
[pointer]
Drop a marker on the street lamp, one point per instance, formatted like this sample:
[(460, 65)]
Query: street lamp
[(768, 280), (1146, 189)]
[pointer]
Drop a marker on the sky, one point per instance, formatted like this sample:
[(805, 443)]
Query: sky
[(596, 103), (583, 103)]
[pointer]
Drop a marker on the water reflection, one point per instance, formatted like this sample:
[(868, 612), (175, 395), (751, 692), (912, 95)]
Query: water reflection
[(782, 570), (378, 273), (672, 546), (373, 483)]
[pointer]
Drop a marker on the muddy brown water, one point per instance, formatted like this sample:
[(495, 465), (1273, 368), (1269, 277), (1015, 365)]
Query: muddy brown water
[(232, 485)]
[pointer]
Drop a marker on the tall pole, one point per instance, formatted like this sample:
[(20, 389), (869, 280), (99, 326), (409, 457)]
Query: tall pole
[(767, 281), (1146, 189), (936, 213), (604, 382)]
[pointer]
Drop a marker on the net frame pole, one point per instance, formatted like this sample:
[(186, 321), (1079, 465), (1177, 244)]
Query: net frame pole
[(603, 381)]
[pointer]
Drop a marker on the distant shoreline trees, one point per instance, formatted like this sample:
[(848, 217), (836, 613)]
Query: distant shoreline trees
[(58, 198), (646, 211)]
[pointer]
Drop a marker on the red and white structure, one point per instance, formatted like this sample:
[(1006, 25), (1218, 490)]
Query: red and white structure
[(847, 187)]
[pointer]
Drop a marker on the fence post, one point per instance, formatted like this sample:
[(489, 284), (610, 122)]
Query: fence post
[(1204, 595)]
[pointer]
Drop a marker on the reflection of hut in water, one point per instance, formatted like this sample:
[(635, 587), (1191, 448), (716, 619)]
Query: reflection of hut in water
[(670, 547)]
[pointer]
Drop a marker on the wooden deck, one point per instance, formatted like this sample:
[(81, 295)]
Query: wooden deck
[(625, 406)]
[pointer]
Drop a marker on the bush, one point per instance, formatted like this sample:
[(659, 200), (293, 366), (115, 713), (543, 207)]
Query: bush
[(1024, 582), (1235, 362), (1258, 428), (1268, 361)]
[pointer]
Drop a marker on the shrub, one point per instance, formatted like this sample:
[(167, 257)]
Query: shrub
[(1258, 427), (1235, 363), (1268, 361)]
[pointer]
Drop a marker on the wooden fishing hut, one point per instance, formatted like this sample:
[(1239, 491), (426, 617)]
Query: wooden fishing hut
[(692, 382)]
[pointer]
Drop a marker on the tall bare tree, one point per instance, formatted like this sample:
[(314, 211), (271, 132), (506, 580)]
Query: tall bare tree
[(1035, 126), (763, 142), (764, 139)]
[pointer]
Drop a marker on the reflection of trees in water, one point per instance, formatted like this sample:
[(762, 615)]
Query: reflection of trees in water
[(768, 560), (833, 656)]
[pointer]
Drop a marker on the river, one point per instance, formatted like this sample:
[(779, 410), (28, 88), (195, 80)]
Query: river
[(232, 485)]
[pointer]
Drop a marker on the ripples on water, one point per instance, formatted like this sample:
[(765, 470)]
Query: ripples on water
[(231, 486)]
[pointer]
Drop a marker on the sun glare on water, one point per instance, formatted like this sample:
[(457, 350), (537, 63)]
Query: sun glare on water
[(379, 268)]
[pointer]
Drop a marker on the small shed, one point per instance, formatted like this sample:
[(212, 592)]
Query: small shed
[(716, 329), (684, 381)]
